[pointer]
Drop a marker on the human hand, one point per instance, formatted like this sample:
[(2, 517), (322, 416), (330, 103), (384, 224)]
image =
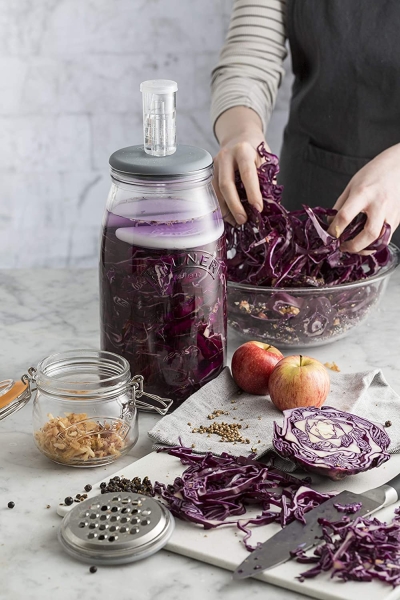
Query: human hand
[(240, 133), (375, 191)]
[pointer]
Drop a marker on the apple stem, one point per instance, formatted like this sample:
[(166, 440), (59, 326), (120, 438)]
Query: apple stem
[(301, 360)]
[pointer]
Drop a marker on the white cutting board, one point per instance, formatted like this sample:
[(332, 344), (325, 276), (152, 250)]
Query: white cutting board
[(223, 547)]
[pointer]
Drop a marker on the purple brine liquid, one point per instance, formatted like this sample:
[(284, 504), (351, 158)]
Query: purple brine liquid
[(163, 296)]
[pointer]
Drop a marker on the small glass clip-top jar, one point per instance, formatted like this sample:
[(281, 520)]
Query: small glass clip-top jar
[(162, 265), (85, 406)]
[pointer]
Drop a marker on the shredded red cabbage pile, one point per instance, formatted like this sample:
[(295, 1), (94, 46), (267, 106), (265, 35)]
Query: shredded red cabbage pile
[(361, 550), (278, 247), (349, 509), (330, 442), (213, 489)]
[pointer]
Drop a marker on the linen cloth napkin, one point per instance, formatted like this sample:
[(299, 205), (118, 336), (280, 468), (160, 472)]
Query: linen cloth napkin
[(366, 394)]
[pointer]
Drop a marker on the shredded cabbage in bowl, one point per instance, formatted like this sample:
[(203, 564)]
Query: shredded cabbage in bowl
[(289, 282)]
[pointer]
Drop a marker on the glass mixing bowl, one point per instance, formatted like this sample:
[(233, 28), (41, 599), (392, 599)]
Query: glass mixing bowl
[(298, 317)]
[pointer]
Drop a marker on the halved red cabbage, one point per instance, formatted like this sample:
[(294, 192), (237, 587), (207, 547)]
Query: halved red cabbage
[(361, 550), (330, 442), (214, 488), (281, 248)]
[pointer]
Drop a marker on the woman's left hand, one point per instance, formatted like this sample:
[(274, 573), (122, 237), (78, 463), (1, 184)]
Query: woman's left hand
[(375, 191)]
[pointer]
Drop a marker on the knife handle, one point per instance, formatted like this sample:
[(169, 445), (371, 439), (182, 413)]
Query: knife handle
[(395, 484)]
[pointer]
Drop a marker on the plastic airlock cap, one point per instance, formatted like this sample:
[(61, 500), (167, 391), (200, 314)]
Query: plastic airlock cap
[(159, 116)]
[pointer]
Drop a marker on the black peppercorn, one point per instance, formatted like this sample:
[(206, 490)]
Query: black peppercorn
[(103, 485), (88, 487), (11, 504), (93, 569), (388, 423), (68, 501)]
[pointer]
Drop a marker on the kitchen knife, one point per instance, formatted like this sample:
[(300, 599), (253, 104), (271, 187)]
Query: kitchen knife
[(276, 550)]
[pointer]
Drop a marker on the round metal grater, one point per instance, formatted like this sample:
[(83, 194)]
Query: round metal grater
[(116, 528)]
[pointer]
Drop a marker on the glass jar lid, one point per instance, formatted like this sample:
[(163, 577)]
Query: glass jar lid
[(187, 160), (116, 528), (82, 374)]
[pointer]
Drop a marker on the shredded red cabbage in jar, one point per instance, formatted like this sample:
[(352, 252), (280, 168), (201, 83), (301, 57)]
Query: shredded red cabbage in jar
[(361, 550), (164, 309), (282, 248), (330, 442), (213, 489)]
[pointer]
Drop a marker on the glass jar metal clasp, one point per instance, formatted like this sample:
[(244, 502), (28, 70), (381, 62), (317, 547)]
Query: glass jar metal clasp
[(158, 404), (15, 394)]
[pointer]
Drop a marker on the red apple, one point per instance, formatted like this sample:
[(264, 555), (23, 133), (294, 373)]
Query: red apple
[(252, 364), (298, 381)]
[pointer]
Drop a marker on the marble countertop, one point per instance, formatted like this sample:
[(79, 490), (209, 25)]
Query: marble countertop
[(47, 311)]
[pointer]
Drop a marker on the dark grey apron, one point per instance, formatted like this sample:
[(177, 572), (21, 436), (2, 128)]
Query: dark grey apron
[(345, 106)]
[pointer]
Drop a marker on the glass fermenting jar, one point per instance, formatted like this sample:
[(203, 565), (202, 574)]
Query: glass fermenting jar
[(162, 270)]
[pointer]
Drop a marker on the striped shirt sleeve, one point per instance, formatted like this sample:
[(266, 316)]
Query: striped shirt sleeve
[(250, 68)]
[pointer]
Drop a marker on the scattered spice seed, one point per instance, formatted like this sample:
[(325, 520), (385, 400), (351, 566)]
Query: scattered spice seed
[(93, 569), (229, 432), (48, 506), (88, 488), (11, 504), (388, 423), (135, 485), (216, 413), (68, 501)]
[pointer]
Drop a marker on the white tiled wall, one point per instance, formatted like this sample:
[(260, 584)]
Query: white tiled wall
[(69, 96)]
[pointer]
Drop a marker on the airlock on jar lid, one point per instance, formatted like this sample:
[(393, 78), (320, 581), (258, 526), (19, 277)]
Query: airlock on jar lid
[(159, 116), (159, 157), (85, 407)]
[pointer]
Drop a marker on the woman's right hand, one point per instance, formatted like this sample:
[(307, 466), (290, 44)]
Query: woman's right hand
[(239, 131)]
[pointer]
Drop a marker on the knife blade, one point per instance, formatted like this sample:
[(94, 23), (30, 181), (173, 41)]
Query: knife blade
[(276, 550)]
